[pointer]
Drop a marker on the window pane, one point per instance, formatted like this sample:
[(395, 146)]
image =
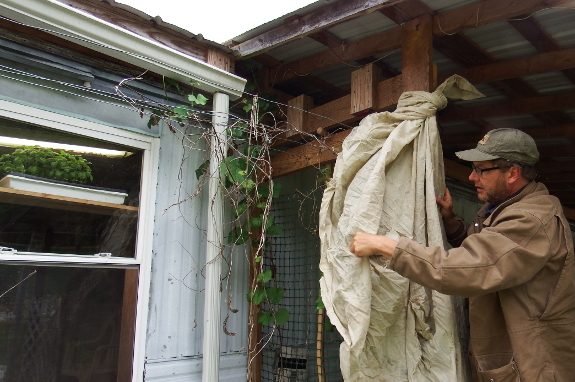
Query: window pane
[(37, 229), (85, 211), (60, 324)]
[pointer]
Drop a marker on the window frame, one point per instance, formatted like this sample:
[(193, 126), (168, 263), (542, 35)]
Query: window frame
[(145, 225)]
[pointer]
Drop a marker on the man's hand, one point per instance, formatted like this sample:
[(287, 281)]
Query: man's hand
[(366, 244), (446, 210)]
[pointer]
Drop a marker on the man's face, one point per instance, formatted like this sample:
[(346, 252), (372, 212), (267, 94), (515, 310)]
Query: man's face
[(492, 186)]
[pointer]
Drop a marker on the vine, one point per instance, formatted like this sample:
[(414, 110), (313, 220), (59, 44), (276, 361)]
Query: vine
[(245, 177)]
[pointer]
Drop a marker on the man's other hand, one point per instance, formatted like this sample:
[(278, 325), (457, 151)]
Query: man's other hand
[(366, 244)]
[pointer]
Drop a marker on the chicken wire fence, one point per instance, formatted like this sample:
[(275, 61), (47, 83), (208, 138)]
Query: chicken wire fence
[(306, 348)]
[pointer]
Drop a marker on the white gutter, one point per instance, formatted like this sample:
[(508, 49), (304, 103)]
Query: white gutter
[(215, 247), (122, 44)]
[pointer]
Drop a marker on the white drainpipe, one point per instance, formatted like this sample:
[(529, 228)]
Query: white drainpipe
[(214, 250)]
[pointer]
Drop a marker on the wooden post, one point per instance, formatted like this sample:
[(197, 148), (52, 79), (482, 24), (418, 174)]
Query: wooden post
[(364, 84), (220, 59), (296, 114), (417, 54)]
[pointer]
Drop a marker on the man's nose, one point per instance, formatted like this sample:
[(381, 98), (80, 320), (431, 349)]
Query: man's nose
[(473, 176)]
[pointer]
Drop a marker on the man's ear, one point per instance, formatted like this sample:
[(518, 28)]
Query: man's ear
[(514, 175)]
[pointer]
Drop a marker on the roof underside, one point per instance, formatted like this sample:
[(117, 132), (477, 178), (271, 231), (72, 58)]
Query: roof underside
[(319, 63)]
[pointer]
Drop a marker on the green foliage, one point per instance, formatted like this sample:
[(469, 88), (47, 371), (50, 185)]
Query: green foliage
[(179, 113), (46, 163)]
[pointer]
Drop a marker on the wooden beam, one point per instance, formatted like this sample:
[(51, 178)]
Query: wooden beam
[(532, 31), (542, 63), (307, 155), (364, 83), (451, 22), (386, 71), (313, 22), (407, 10), (417, 54), (456, 171), (297, 114), (524, 106), (328, 39), (381, 42), (486, 12), (220, 59), (339, 111)]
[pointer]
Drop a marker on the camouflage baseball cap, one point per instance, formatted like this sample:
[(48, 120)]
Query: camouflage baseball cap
[(511, 144)]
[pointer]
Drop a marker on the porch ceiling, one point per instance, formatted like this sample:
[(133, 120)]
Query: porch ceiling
[(521, 55)]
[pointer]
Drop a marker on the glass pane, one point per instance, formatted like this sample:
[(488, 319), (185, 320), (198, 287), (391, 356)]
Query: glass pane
[(71, 200), (60, 324), (37, 229)]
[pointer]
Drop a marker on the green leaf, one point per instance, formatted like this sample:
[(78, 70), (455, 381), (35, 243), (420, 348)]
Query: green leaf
[(282, 316), (181, 111), (319, 303), (270, 221), (241, 208), (274, 230), (276, 190), (232, 168), (265, 276), (253, 151), (255, 222), (201, 100), (202, 169), (261, 205), (265, 318), (153, 121), (258, 296), (172, 83), (237, 133), (247, 108), (248, 184), (250, 86), (275, 295), (192, 98), (328, 326), (264, 191), (258, 259), (238, 236)]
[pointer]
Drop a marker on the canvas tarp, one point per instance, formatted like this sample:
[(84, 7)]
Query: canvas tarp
[(385, 182)]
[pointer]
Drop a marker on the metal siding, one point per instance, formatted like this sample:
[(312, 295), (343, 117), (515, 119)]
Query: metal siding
[(176, 302)]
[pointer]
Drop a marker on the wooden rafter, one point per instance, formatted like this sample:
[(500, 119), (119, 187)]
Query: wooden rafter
[(444, 24), (530, 29), (522, 106), (541, 63), (313, 22), (271, 62)]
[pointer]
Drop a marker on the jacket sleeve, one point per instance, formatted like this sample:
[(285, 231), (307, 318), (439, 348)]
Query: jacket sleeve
[(457, 237), (508, 253)]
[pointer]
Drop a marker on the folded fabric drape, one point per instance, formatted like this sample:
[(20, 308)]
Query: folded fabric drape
[(385, 182)]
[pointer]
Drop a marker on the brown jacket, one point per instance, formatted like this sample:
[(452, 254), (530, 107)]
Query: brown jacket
[(517, 267)]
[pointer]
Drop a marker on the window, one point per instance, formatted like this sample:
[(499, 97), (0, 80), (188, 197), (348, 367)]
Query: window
[(72, 255)]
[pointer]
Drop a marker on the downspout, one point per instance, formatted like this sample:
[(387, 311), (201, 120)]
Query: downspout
[(215, 246)]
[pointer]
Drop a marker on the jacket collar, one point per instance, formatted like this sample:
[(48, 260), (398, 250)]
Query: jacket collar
[(530, 188)]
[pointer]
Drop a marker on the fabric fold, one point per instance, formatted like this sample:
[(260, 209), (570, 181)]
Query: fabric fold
[(385, 182)]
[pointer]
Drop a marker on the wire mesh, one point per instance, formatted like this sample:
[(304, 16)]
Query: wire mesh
[(306, 348)]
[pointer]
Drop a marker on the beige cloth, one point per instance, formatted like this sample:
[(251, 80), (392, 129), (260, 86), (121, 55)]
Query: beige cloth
[(385, 182)]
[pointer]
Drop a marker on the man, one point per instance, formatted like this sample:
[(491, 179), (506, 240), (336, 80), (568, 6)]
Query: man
[(515, 263)]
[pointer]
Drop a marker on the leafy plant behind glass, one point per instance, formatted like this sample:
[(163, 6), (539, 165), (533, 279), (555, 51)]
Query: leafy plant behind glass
[(46, 163)]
